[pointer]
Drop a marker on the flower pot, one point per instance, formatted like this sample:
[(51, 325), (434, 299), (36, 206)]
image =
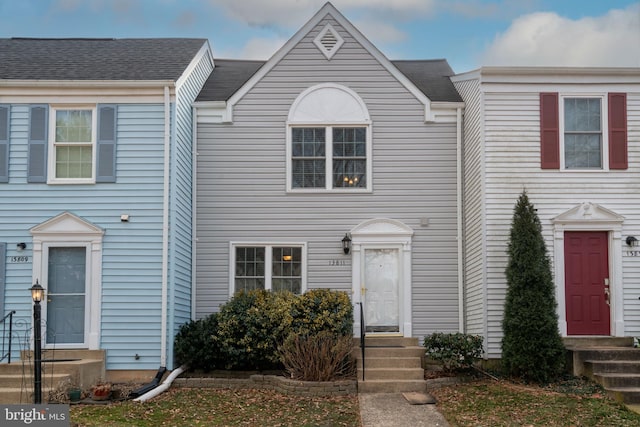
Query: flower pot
[(74, 394)]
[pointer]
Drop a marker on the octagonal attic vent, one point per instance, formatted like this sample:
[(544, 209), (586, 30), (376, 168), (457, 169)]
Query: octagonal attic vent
[(328, 41)]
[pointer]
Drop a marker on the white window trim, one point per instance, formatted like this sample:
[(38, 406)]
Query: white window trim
[(51, 161), (68, 230), (604, 126), (338, 106), (329, 158), (268, 261)]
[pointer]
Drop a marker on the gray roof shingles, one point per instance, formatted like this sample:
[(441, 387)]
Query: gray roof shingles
[(96, 59), (429, 76)]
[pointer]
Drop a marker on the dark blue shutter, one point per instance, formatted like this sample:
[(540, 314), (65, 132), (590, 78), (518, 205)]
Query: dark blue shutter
[(3, 262), (106, 145), (37, 163), (4, 144)]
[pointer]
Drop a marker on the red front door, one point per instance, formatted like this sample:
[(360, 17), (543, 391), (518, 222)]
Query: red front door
[(586, 280)]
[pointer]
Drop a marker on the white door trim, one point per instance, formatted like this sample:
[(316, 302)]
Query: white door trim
[(383, 233), (69, 230), (591, 217)]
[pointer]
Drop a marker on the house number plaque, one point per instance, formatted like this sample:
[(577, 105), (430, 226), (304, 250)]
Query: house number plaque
[(338, 262), (19, 259), (632, 253)]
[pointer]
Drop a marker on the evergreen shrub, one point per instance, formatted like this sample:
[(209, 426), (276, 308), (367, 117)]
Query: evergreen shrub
[(456, 352)]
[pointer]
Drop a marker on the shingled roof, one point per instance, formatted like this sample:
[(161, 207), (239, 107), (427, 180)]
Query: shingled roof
[(429, 76), (96, 59)]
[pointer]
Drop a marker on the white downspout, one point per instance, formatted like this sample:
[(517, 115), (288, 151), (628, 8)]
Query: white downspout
[(459, 213), (194, 162), (165, 226)]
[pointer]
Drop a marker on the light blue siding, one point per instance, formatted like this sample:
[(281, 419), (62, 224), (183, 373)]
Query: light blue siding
[(181, 203), (132, 251)]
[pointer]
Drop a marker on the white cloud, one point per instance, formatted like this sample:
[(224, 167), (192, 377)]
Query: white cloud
[(547, 39), (254, 49), (294, 13)]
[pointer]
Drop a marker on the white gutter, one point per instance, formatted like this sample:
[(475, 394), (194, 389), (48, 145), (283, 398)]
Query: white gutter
[(86, 83), (162, 387), (165, 226), (459, 213)]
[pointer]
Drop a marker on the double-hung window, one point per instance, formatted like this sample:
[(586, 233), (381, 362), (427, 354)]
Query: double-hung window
[(270, 267), (329, 157), (73, 142), (583, 132), (583, 138)]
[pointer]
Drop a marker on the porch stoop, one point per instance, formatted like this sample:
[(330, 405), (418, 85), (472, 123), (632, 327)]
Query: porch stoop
[(81, 368), (392, 365), (612, 362)]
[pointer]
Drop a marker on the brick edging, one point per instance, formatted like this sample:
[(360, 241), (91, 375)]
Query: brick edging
[(274, 382)]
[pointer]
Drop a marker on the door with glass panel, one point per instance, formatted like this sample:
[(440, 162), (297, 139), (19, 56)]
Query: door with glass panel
[(66, 290)]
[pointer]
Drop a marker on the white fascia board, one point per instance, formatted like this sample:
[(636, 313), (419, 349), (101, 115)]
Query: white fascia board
[(445, 112), (329, 9), (100, 84), (560, 74), (205, 50), (468, 75), (212, 112)]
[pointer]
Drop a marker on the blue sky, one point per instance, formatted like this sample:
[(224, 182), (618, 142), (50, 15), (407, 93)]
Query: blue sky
[(468, 33)]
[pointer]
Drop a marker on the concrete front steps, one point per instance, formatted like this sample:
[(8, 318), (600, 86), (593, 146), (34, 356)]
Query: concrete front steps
[(612, 362), (81, 368), (392, 365)]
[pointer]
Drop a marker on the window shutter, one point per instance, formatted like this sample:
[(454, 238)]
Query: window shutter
[(549, 131), (618, 131), (37, 168), (106, 145), (3, 262), (4, 144)]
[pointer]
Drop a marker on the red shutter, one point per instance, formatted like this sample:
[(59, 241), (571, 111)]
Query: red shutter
[(549, 131), (618, 131)]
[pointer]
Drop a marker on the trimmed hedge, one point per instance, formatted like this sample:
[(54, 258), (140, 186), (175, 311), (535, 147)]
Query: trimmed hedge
[(249, 329), (456, 352)]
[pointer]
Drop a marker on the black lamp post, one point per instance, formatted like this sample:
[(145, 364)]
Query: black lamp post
[(37, 293)]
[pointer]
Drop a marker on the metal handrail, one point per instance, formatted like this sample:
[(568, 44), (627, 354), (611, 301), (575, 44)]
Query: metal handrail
[(7, 355), (362, 336)]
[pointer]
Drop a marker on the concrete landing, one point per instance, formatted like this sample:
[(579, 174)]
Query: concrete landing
[(392, 409)]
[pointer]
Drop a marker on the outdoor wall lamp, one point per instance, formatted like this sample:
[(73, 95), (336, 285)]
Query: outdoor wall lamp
[(21, 246), (346, 243), (37, 294), (632, 241)]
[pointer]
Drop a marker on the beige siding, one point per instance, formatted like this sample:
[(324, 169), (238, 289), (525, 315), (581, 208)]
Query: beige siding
[(241, 183)]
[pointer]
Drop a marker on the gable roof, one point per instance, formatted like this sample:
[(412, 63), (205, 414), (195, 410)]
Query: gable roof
[(96, 59), (329, 10), (430, 76)]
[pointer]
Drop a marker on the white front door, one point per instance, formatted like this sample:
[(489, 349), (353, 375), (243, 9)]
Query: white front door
[(381, 289)]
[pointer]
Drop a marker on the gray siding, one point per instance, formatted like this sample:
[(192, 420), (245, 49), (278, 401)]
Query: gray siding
[(241, 183)]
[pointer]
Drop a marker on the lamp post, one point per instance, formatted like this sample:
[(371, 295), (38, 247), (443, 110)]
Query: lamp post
[(37, 293)]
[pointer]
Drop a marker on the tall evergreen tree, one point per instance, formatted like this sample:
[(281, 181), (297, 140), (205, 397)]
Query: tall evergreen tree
[(532, 348)]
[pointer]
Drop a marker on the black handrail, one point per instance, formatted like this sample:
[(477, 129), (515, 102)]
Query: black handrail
[(362, 336), (7, 355)]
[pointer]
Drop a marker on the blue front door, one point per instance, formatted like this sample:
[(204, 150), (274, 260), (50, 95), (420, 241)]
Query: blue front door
[(66, 295)]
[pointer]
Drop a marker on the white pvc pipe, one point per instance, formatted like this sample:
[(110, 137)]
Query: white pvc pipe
[(162, 387)]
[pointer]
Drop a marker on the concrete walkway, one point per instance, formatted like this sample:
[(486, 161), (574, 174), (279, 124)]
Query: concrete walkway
[(392, 409)]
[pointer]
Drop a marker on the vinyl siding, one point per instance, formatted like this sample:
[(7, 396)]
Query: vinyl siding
[(474, 260), (131, 263), (241, 183), (181, 204), (512, 158)]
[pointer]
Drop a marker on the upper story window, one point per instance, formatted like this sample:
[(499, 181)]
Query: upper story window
[(583, 132), (73, 144), (329, 141), (346, 164), (271, 267), (583, 148)]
